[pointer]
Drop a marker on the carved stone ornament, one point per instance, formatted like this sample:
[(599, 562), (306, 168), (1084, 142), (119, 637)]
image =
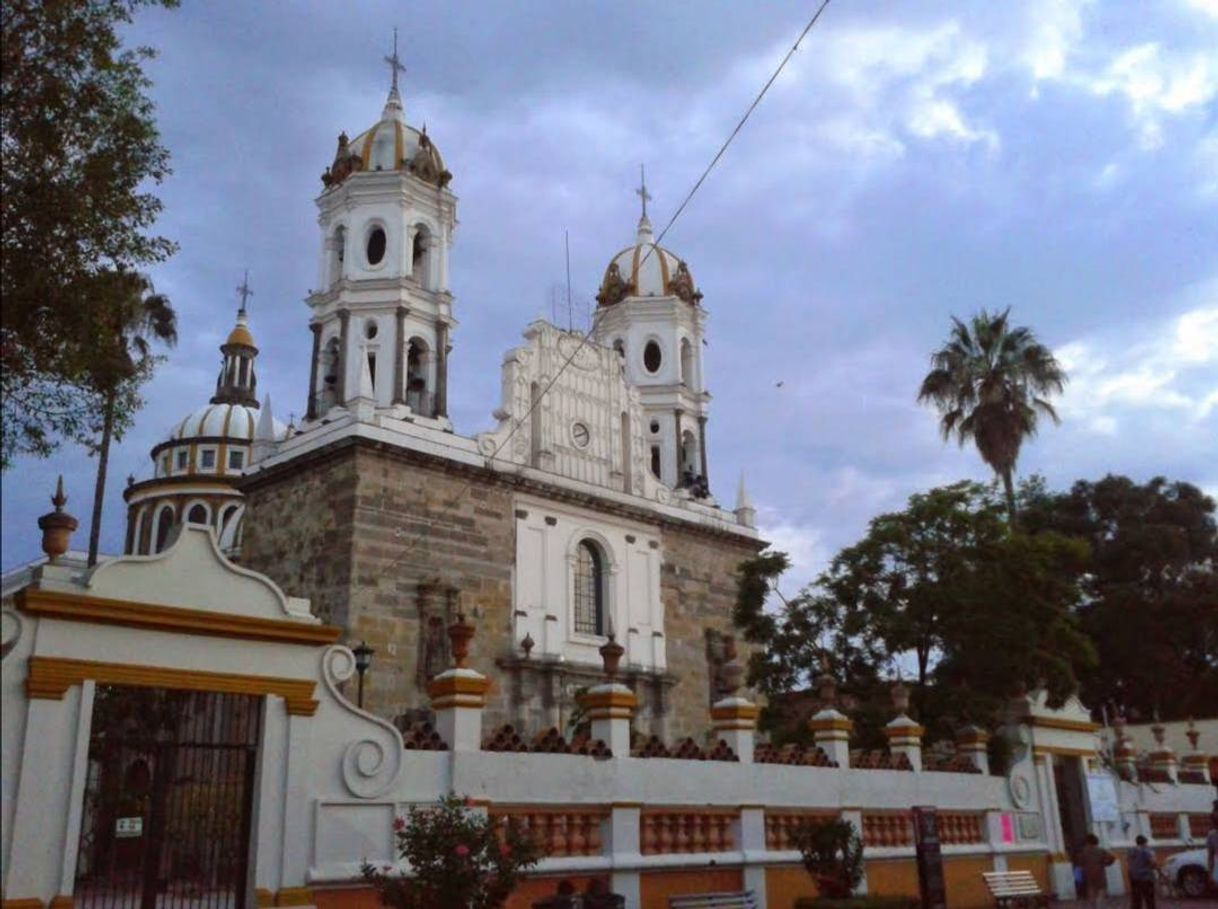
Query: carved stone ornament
[(346, 162), (682, 285), (614, 287), (426, 164)]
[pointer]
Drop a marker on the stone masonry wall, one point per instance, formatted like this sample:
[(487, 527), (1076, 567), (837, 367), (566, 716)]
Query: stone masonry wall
[(360, 530)]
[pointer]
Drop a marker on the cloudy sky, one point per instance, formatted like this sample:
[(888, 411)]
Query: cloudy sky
[(915, 161)]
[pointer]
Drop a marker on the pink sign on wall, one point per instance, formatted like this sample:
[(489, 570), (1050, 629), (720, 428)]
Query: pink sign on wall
[(1008, 828)]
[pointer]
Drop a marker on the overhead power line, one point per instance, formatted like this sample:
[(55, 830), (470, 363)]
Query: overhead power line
[(586, 336)]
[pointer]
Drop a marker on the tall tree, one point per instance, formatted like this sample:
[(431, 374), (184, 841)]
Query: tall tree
[(79, 145), (990, 383), (139, 318), (1152, 590), (980, 606)]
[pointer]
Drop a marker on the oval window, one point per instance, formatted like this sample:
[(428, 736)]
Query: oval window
[(370, 329), (376, 245), (652, 357)]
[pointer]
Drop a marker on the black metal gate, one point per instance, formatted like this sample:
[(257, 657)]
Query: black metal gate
[(168, 797)]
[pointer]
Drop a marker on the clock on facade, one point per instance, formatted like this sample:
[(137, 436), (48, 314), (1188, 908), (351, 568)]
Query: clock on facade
[(580, 435)]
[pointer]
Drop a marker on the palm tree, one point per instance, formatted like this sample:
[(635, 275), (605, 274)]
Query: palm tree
[(137, 317), (990, 384)]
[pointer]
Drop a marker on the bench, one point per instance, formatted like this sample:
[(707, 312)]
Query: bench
[(744, 900), (1014, 889)]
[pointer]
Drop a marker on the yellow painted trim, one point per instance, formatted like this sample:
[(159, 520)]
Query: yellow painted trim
[(842, 725), (72, 607), (602, 700), (904, 732), (1048, 722), (1041, 751), (664, 276), (739, 712), (458, 685), (366, 152), (49, 678), (294, 896), (30, 903), (63, 901), (264, 898), (1059, 857)]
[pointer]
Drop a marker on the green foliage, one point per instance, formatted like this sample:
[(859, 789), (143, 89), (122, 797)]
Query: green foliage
[(991, 383), (984, 607), (79, 146), (1151, 593), (457, 857), (833, 855)]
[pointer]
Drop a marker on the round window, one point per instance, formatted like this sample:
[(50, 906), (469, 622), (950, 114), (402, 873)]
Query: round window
[(652, 356), (655, 427), (370, 329), (376, 245), (580, 435)]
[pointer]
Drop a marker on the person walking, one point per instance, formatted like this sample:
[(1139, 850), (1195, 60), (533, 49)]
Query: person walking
[(1093, 860), (1143, 869)]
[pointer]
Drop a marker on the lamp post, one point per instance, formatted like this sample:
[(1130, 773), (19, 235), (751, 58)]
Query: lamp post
[(363, 660)]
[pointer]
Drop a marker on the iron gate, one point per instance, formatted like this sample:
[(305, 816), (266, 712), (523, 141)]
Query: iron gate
[(170, 786)]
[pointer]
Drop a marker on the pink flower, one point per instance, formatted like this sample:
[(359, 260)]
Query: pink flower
[(462, 850), (399, 824)]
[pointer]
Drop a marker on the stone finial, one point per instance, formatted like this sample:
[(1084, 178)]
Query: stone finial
[(611, 655), (731, 675), (460, 633), (900, 696), (1158, 730), (57, 526), (527, 644), (826, 687), (1193, 735)]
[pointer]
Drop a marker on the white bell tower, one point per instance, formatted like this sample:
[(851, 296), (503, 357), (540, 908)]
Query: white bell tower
[(382, 312), (650, 311)]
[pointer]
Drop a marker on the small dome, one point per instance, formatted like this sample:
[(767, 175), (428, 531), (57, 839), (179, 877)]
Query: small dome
[(222, 421), (389, 144), (241, 334), (646, 270)]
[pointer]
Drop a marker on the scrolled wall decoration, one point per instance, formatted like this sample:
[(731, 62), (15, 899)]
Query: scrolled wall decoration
[(370, 764)]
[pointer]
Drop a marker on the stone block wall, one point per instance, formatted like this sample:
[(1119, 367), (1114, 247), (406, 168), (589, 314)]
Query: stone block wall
[(372, 535)]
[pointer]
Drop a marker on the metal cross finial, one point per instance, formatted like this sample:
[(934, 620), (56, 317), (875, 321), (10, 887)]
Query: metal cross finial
[(641, 192), (244, 290), (395, 62)]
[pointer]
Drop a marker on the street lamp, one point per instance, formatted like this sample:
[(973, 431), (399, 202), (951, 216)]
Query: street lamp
[(363, 660)]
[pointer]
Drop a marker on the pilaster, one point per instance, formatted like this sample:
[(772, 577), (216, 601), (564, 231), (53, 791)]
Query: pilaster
[(831, 730), (734, 720)]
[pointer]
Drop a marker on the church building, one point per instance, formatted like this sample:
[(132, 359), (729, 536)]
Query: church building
[(585, 513)]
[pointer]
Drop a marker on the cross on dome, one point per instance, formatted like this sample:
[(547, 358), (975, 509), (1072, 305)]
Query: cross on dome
[(395, 64), (641, 192), (244, 290)]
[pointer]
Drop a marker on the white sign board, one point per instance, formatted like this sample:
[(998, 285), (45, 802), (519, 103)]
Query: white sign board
[(126, 827), (1101, 793)]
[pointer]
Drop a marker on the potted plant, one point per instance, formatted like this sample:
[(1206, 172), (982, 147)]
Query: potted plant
[(458, 859)]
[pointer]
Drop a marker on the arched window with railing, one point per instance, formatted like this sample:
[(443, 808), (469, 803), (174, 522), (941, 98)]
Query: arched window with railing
[(589, 589)]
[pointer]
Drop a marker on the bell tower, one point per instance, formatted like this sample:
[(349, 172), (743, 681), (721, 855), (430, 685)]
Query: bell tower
[(382, 314), (650, 311)]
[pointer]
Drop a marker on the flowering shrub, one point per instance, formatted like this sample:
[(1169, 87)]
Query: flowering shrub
[(460, 859), (833, 854)]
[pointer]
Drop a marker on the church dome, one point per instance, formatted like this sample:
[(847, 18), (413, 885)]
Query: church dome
[(646, 269), (389, 144), (219, 421)]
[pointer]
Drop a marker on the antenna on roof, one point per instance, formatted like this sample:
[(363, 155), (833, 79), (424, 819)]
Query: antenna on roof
[(566, 237)]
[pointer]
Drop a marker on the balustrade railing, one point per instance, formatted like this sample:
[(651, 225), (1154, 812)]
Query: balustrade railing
[(782, 827), (958, 828), (1164, 826), (559, 832), (667, 832), (888, 828)]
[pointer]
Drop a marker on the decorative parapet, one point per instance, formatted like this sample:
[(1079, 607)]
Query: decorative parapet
[(971, 744), (422, 736), (831, 729), (666, 831), (1198, 826), (559, 832), (887, 829), (905, 740), (956, 763), (686, 750), (957, 828), (879, 760), (782, 827), (1164, 826), (791, 753), (548, 741)]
